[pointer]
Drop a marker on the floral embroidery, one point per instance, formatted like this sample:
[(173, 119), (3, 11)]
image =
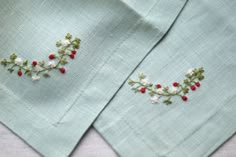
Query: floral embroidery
[(192, 81), (66, 48)]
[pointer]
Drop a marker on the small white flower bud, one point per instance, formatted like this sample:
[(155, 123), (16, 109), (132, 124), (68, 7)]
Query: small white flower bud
[(190, 72), (35, 78), (160, 91), (18, 61), (52, 64), (144, 82), (38, 68), (154, 99), (174, 90), (65, 43)]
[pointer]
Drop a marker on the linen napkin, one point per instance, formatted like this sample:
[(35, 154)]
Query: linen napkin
[(204, 35), (52, 114)]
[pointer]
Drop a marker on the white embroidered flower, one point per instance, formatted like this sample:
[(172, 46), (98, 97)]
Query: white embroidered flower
[(144, 82), (18, 61), (65, 43), (35, 78), (52, 64), (38, 68), (160, 91), (174, 90), (190, 72), (154, 99)]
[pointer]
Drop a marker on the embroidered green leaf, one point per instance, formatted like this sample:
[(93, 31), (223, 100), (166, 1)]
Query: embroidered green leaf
[(10, 70), (41, 63), (46, 74), (68, 36), (141, 76), (25, 63), (4, 62), (167, 102), (64, 61), (13, 56)]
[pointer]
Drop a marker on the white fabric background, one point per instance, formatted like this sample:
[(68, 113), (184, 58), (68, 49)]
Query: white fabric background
[(92, 145)]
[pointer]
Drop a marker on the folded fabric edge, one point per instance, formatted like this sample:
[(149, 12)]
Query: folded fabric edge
[(23, 140), (219, 144), (170, 18)]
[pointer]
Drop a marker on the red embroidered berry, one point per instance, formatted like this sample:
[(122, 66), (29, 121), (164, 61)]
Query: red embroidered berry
[(175, 84), (193, 88), (142, 90), (73, 52), (184, 98), (198, 84), (62, 70), (158, 85), (19, 73), (34, 63), (72, 56), (51, 56)]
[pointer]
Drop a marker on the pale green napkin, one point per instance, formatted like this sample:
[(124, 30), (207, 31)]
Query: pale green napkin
[(52, 115), (203, 35)]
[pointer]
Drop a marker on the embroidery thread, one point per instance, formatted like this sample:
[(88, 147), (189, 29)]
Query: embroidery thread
[(66, 49), (192, 81)]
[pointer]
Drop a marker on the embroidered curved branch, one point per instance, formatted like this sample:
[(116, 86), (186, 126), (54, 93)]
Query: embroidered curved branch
[(192, 81), (66, 49)]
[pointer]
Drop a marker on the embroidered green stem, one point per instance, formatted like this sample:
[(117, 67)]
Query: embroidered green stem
[(192, 81), (66, 49)]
